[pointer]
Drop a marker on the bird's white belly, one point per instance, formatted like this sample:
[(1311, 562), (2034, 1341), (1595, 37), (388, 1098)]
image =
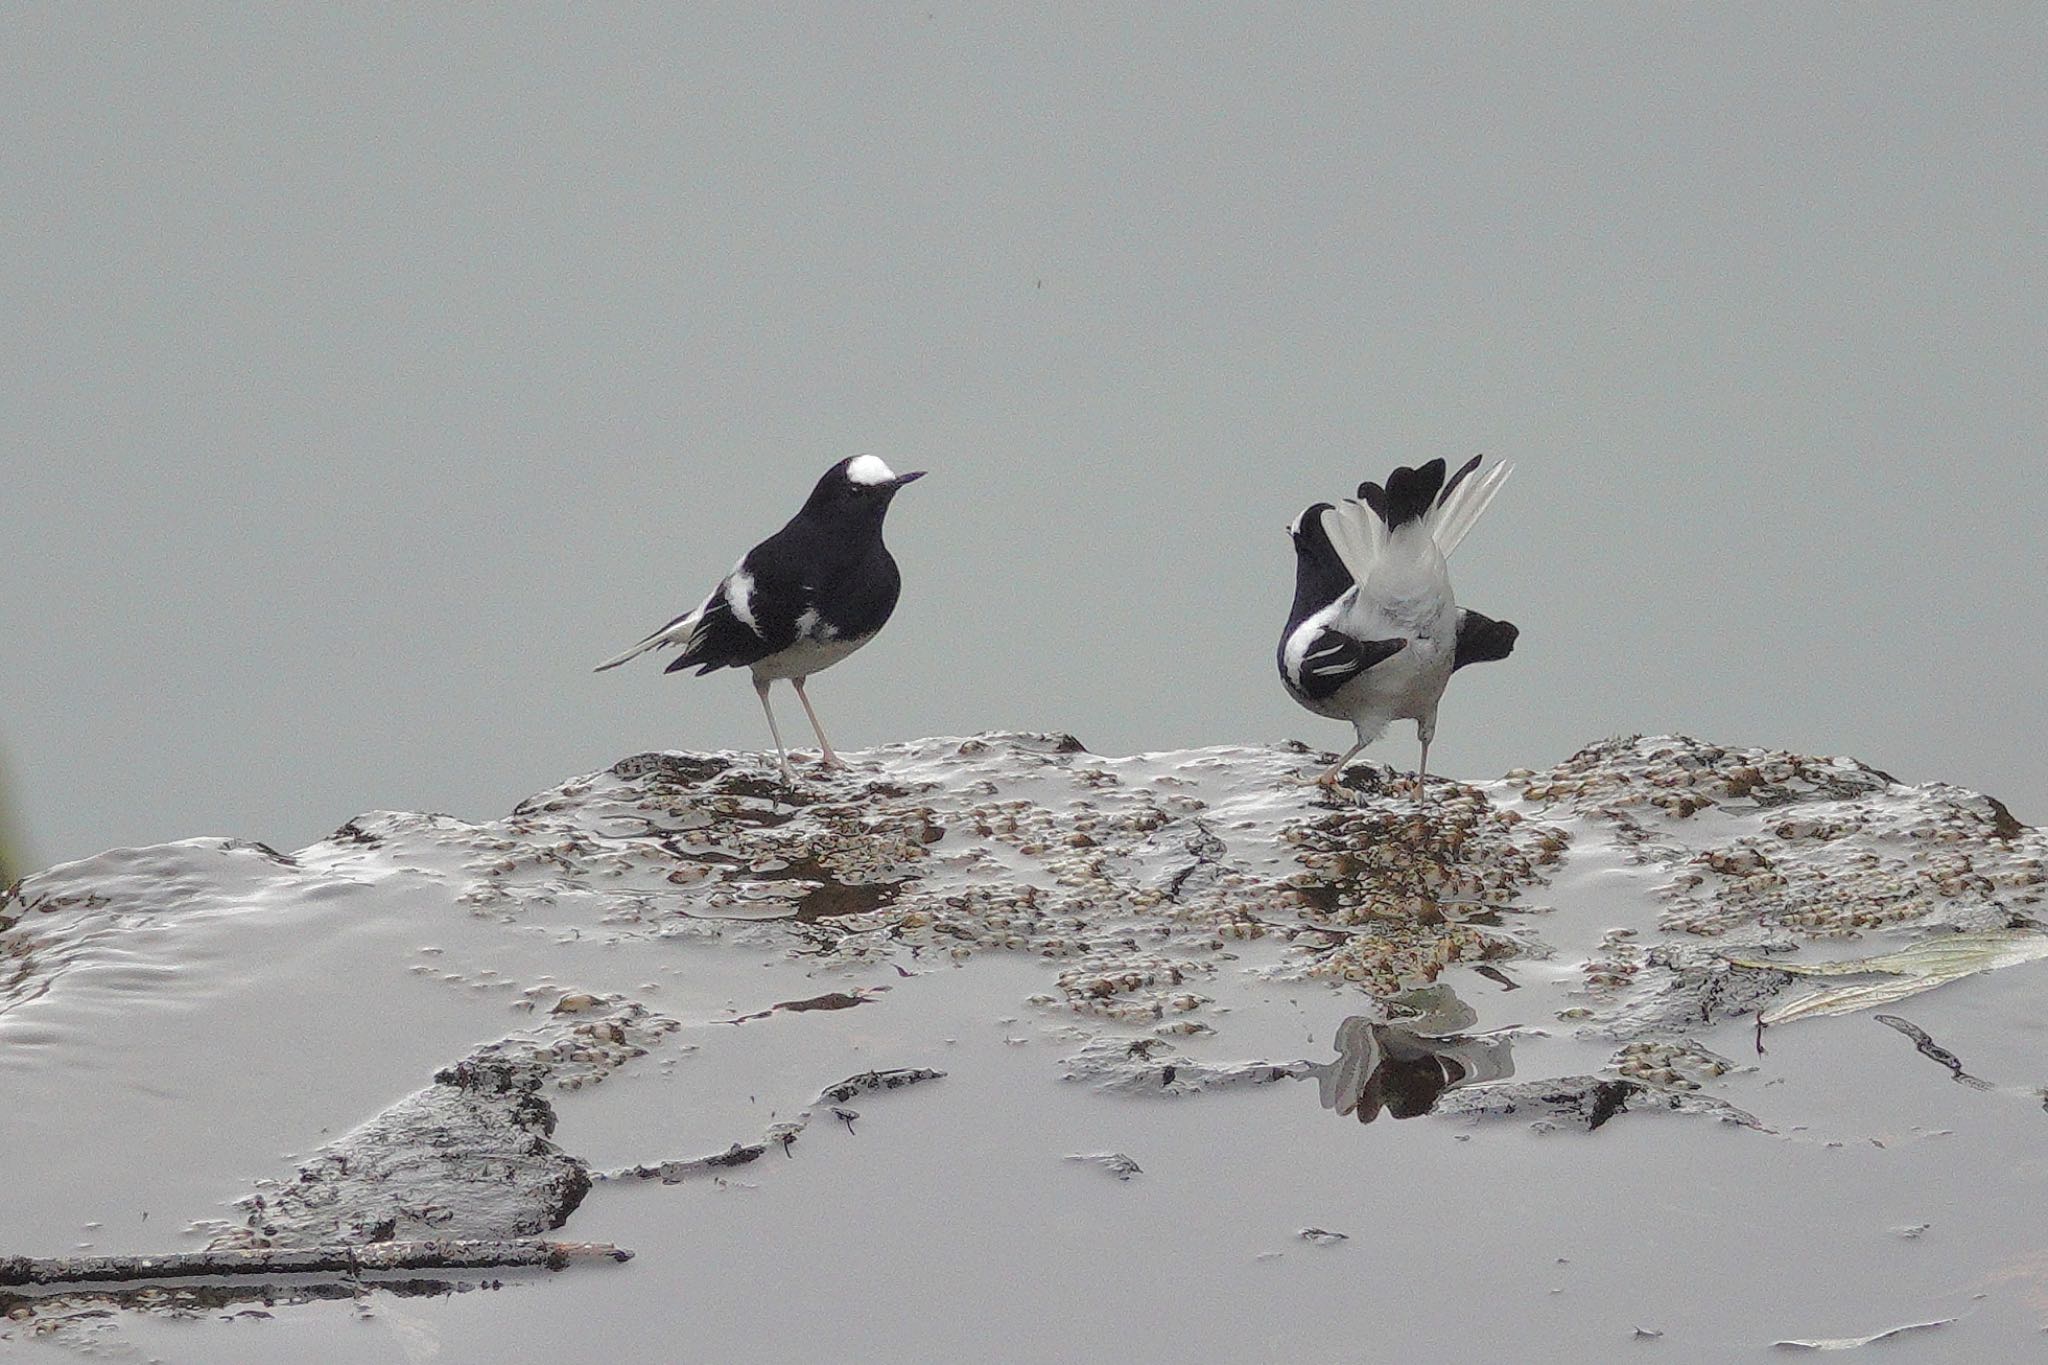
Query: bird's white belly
[(806, 657), (1408, 685), (1411, 690)]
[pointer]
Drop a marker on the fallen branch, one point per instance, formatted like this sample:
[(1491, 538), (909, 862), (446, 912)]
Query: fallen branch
[(342, 1259)]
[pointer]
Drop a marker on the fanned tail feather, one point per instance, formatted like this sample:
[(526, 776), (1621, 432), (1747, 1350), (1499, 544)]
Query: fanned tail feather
[(1358, 535), (1360, 530), (1462, 501), (1411, 493)]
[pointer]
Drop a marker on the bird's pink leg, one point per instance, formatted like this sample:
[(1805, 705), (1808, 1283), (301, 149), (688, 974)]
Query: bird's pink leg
[(826, 758), (761, 691), (1334, 776)]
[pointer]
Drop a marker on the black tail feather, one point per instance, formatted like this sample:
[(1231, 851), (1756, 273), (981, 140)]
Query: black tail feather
[(1375, 497), (1410, 493), (1458, 478)]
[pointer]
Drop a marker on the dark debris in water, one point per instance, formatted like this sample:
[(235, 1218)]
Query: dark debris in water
[(831, 1000), (1933, 1051), (784, 1134)]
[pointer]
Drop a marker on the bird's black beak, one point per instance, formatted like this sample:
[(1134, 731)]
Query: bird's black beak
[(912, 477)]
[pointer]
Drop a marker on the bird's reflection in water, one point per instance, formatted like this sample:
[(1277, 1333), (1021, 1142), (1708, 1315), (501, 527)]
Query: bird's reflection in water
[(1403, 1065)]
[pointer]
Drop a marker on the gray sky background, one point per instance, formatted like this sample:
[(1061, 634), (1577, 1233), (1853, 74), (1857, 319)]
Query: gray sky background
[(370, 373)]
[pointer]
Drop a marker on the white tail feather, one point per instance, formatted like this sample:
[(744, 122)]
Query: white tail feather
[(1358, 536), (1452, 518), (675, 632)]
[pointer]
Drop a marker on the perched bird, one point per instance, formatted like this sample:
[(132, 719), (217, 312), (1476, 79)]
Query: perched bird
[(801, 600), (1374, 633)]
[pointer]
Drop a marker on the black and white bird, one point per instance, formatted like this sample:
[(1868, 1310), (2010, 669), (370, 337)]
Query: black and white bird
[(1375, 632), (801, 600)]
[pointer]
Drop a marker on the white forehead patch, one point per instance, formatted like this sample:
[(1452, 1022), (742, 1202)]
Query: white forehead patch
[(870, 469)]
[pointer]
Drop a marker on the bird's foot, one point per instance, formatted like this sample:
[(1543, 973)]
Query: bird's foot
[(1332, 786), (831, 762), (1426, 791)]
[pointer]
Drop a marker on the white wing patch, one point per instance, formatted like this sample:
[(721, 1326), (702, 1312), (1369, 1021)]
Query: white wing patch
[(1327, 660), (1296, 659), (869, 469), (739, 595)]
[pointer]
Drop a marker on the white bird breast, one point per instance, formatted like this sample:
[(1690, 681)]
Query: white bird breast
[(806, 657)]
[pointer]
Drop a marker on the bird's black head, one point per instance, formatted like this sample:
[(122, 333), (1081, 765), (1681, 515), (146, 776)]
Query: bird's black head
[(1320, 577), (1308, 534), (858, 489)]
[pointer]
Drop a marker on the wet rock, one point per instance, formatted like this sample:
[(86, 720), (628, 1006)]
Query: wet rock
[(1147, 1066), (1141, 885), (1584, 1102), (469, 1156), (1116, 1163), (875, 1082), (1802, 849), (1151, 904), (1672, 989), (1676, 1064), (1137, 874)]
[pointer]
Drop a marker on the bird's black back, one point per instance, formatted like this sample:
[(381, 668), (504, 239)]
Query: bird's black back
[(829, 559)]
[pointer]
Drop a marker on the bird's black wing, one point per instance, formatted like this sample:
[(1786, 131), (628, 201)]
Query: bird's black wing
[(721, 640), (1333, 659), (751, 615), (1482, 640)]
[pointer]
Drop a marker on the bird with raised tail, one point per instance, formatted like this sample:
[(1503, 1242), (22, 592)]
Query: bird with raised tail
[(801, 600), (1375, 631)]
